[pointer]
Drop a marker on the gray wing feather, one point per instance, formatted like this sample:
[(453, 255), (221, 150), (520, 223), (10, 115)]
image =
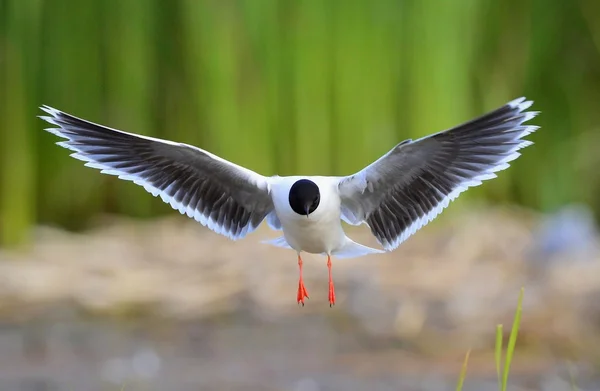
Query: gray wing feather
[(229, 199), (410, 185)]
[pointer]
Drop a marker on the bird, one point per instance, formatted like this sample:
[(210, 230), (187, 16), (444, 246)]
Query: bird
[(394, 196)]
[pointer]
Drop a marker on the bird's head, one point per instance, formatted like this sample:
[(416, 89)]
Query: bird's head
[(304, 197)]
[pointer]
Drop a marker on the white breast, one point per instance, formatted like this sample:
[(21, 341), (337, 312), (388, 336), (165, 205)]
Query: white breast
[(321, 231)]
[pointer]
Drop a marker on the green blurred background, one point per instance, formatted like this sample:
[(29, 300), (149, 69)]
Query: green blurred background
[(290, 86)]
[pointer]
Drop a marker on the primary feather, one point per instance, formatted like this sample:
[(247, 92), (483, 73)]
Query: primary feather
[(229, 199), (411, 184)]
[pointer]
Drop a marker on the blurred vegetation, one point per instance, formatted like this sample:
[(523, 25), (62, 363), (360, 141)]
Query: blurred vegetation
[(290, 86), (502, 370)]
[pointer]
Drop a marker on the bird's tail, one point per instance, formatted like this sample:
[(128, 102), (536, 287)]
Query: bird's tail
[(353, 250), (278, 242)]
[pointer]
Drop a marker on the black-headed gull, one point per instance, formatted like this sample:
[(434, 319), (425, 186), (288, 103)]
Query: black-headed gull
[(394, 196)]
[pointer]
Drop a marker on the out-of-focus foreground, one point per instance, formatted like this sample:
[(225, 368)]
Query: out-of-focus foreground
[(102, 284), (169, 305)]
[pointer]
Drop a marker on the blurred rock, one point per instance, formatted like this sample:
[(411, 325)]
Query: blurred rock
[(571, 231), (453, 281), (146, 363), (306, 384)]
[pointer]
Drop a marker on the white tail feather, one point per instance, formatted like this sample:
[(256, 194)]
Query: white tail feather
[(353, 250)]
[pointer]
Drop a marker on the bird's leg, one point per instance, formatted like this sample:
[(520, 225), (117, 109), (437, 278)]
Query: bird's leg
[(331, 287), (302, 292)]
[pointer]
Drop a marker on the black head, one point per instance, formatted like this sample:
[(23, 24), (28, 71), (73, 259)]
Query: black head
[(304, 197)]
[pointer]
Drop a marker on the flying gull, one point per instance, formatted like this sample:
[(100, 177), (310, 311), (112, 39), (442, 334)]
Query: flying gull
[(394, 196)]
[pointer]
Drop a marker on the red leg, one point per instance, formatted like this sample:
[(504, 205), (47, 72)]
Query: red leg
[(331, 287), (302, 292)]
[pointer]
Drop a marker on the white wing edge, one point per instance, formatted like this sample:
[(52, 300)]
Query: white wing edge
[(259, 180), (359, 181), (256, 179)]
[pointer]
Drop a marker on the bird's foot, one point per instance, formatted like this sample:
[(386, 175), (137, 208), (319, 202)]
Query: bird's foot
[(331, 286), (302, 293), (331, 294)]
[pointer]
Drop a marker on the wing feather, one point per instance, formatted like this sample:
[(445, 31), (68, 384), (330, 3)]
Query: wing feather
[(410, 185), (229, 199)]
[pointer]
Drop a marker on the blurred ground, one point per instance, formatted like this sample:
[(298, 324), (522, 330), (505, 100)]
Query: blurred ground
[(167, 305)]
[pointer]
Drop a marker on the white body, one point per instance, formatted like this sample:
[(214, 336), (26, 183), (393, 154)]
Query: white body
[(319, 232)]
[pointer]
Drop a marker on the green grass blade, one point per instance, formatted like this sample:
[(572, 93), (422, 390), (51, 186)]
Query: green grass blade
[(512, 340), (463, 372), (498, 354)]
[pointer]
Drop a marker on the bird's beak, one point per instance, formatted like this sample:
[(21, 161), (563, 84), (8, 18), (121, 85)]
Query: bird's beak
[(307, 210)]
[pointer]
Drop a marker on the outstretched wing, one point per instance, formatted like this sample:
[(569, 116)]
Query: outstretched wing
[(411, 184), (229, 199)]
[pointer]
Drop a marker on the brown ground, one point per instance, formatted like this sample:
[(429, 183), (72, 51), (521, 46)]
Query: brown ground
[(171, 305)]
